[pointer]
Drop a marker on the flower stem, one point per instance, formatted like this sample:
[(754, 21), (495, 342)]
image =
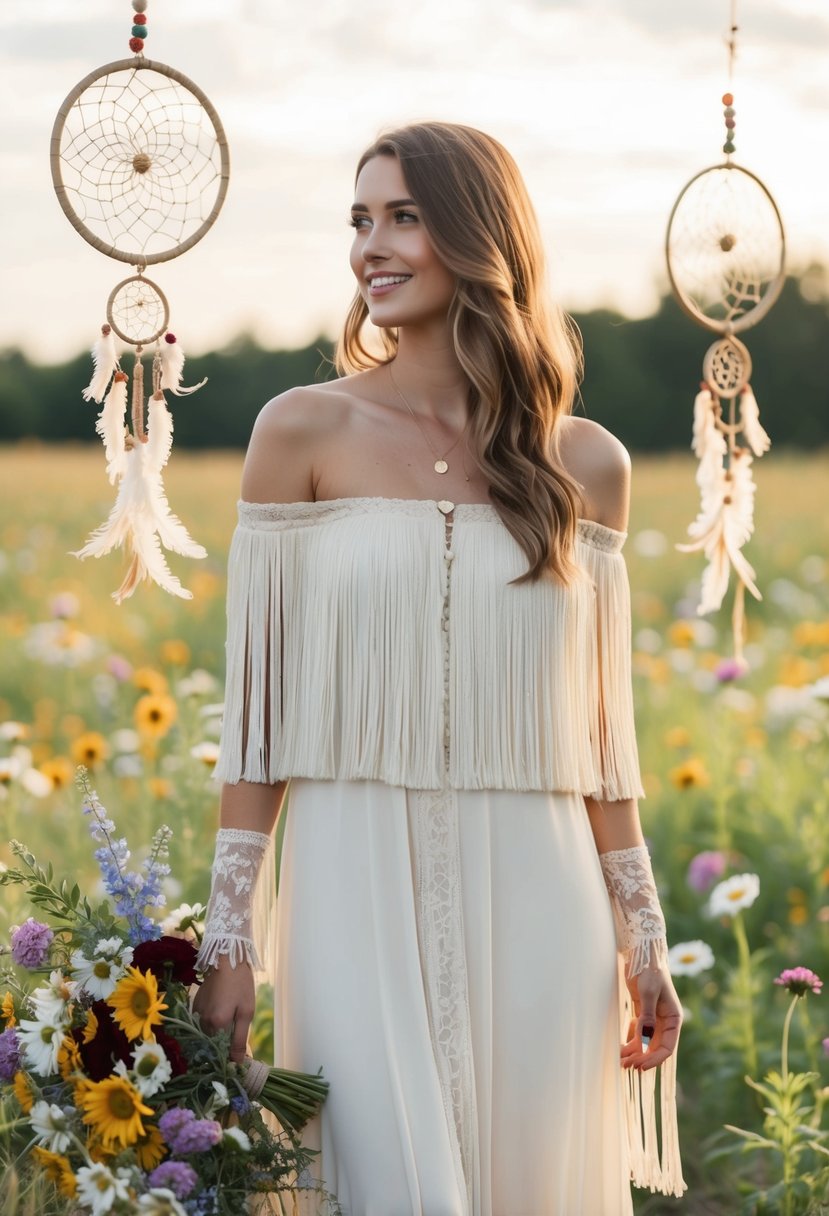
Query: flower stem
[(784, 1051), (748, 1003)]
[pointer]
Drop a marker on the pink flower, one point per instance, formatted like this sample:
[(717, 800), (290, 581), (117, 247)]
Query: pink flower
[(826, 1046), (730, 669), (705, 869), (119, 667), (799, 981)]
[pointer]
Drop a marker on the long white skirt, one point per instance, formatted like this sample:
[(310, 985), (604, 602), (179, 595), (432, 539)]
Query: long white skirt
[(450, 962)]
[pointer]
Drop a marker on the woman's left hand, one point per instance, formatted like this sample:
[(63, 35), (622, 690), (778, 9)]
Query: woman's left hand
[(657, 1009)]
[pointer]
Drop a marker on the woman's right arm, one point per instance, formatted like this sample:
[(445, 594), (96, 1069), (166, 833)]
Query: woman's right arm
[(278, 468), (227, 996)]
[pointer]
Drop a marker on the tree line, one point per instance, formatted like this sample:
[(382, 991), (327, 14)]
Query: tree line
[(640, 379)]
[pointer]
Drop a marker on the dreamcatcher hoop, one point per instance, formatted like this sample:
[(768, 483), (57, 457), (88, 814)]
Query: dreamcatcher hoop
[(127, 304), (762, 293), (123, 153)]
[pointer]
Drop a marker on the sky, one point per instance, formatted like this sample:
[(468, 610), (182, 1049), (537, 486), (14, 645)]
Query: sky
[(608, 106)]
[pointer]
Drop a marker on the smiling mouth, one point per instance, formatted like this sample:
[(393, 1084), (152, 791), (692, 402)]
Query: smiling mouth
[(386, 282)]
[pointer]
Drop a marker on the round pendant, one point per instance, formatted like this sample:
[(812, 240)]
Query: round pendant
[(441, 466), (445, 506)]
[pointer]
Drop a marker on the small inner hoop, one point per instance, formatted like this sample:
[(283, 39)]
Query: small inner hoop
[(727, 367), (138, 311)]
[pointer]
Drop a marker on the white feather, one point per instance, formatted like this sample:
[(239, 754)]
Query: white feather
[(110, 426), (159, 434), (756, 437), (139, 520), (104, 361), (703, 420), (172, 368)]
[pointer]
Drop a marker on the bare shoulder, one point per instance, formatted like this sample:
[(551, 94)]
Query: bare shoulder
[(279, 466), (601, 464)]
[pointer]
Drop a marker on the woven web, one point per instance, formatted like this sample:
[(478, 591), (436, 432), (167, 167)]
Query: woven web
[(138, 311), (140, 161), (725, 245)]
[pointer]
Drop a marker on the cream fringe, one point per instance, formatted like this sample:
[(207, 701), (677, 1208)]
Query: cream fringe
[(661, 1172), (335, 653)]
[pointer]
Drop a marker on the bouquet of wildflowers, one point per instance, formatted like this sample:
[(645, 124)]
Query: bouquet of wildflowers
[(110, 1089)]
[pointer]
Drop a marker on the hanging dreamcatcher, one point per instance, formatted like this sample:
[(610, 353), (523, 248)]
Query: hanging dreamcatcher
[(140, 166), (726, 254)]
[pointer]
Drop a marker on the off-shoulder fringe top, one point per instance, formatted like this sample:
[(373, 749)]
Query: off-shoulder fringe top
[(369, 639)]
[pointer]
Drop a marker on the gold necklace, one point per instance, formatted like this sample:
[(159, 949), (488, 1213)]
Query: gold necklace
[(440, 465)]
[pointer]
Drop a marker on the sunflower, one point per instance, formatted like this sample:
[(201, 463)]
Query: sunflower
[(59, 770), (7, 1010), (150, 1148), (691, 772), (137, 1004), (69, 1058), (147, 679), (155, 714), (114, 1108), (89, 749), (23, 1091), (57, 1168)]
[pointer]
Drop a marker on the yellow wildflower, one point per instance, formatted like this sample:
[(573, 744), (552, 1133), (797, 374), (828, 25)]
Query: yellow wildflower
[(69, 1058), (150, 1148), (113, 1107), (681, 633), (59, 770), (90, 749), (175, 652), (160, 787), (91, 1027), (7, 1010), (147, 679), (22, 1087), (57, 1168), (798, 914), (155, 714), (794, 671), (691, 772), (137, 1004), (677, 736)]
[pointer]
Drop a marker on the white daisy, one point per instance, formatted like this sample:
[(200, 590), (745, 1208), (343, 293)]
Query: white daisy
[(99, 975), (171, 926), (160, 1202), (36, 783), (99, 1188), (41, 1043), (50, 1002), (730, 897), (207, 752), (51, 1126), (690, 958), (237, 1138), (151, 1070)]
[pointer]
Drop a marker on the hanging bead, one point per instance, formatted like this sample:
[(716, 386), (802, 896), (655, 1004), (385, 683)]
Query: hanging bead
[(139, 31), (140, 6), (139, 19), (136, 44)]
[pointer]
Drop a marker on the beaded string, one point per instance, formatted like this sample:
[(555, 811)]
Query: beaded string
[(139, 26), (728, 98)]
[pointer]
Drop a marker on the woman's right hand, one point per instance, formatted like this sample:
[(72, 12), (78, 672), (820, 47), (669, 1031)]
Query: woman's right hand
[(226, 1001)]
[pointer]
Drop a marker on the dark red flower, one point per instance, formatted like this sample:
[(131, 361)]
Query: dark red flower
[(172, 1050), (108, 1047), (170, 959)]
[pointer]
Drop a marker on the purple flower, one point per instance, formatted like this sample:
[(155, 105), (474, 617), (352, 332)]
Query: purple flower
[(705, 869), (730, 669), (800, 980), (197, 1137), (9, 1054), (240, 1104), (826, 1046), (30, 943), (184, 1133), (177, 1175)]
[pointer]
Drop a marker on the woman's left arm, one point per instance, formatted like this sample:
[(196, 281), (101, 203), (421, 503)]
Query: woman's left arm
[(640, 927)]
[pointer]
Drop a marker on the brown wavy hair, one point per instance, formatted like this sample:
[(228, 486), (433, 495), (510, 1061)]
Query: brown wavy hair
[(521, 353)]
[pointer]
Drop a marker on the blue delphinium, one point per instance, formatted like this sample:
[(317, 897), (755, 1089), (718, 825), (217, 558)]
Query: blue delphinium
[(132, 891)]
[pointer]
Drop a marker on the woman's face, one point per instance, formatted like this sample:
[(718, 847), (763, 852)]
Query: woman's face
[(398, 271)]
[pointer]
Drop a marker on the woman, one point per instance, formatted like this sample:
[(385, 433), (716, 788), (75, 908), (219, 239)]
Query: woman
[(429, 637)]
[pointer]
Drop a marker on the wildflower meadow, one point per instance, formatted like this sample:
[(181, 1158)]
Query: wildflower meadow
[(735, 767)]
